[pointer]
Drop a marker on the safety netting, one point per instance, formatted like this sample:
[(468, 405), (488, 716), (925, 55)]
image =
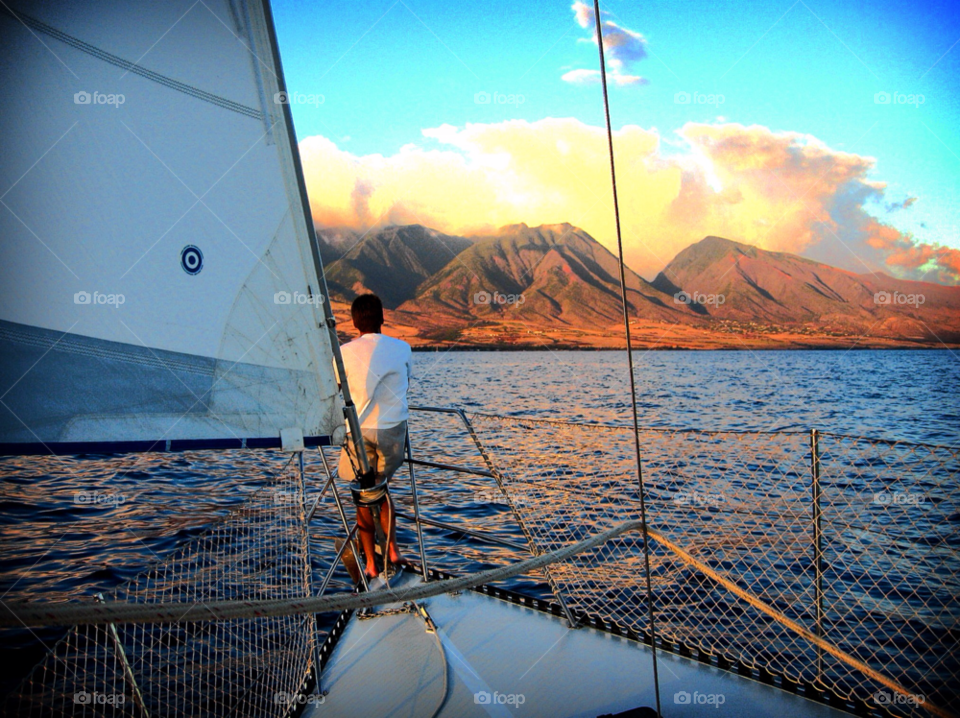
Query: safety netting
[(759, 511), (244, 667)]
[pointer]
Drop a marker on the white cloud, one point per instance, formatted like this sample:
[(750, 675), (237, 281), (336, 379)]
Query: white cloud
[(582, 77), (622, 47), (628, 79)]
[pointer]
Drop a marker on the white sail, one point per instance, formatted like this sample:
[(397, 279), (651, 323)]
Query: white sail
[(158, 279)]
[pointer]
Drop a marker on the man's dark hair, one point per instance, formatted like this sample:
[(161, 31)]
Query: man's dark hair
[(367, 313)]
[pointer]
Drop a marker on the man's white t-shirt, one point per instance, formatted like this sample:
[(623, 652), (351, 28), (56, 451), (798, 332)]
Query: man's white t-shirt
[(378, 374)]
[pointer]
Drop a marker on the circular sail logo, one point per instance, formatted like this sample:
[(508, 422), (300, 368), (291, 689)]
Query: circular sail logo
[(191, 259)]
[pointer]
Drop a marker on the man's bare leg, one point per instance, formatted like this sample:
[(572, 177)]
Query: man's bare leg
[(366, 531), (389, 524)]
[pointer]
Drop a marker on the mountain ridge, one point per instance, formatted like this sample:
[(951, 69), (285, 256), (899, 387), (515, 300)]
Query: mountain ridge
[(522, 284), (393, 262), (558, 274), (784, 288)]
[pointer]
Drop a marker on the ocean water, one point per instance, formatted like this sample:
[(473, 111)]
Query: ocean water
[(899, 395), (54, 548)]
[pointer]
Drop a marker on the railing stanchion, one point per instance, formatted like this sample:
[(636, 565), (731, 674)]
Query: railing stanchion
[(817, 543), (343, 517), (416, 509)]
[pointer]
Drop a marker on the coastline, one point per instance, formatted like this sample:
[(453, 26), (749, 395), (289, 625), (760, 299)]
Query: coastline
[(513, 335), (579, 348)]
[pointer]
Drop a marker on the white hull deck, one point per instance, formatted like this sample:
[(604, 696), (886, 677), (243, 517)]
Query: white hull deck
[(390, 666)]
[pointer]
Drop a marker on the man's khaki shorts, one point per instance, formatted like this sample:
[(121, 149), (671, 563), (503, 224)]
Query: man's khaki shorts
[(385, 450)]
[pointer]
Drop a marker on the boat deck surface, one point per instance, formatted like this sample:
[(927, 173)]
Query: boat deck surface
[(501, 659)]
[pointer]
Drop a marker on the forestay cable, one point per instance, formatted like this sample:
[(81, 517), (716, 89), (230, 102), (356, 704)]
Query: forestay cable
[(626, 326)]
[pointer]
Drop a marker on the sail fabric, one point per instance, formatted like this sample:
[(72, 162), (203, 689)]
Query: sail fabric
[(157, 273)]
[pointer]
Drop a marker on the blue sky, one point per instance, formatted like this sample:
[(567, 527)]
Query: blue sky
[(387, 70)]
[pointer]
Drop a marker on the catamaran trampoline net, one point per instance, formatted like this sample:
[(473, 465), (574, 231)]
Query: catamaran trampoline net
[(245, 667), (743, 504)]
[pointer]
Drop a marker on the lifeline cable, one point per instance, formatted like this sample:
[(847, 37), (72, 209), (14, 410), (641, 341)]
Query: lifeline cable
[(15, 614), (626, 326)]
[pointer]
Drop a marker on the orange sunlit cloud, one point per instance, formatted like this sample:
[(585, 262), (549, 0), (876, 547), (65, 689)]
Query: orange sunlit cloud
[(776, 190)]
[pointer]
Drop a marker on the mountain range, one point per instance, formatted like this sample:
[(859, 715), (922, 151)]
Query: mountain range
[(556, 286)]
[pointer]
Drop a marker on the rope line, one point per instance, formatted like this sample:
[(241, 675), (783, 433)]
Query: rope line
[(96, 52), (34, 615), (790, 623)]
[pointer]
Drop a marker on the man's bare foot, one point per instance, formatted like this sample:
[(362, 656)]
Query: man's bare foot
[(371, 572), (399, 560)]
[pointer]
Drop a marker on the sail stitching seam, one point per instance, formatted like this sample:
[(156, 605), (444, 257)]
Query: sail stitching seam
[(132, 67)]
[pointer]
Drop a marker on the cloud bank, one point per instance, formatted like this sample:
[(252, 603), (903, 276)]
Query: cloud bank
[(781, 191)]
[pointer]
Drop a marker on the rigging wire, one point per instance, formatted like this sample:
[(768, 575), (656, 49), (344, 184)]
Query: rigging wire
[(626, 326)]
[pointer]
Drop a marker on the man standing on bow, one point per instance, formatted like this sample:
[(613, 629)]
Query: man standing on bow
[(378, 369)]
